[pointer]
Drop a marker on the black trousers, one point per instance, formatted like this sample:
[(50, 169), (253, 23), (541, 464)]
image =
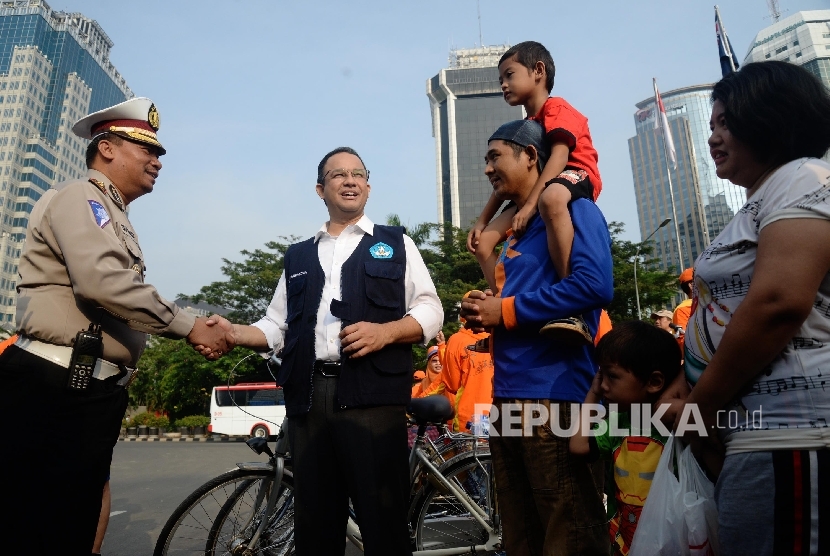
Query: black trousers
[(59, 468), (341, 454)]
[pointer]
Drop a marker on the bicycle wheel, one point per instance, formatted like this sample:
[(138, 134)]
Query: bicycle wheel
[(439, 520), (212, 520), (241, 517)]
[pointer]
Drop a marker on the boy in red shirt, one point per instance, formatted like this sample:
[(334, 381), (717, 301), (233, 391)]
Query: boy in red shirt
[(526, 74)]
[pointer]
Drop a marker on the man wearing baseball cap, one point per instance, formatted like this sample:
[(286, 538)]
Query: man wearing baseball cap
[(84, 312), (548, 497), (662, 319)]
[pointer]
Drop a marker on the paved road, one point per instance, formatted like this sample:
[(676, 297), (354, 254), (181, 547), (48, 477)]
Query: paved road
[(150, 479)]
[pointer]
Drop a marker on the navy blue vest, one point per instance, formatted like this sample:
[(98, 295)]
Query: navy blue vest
[(373, 290)]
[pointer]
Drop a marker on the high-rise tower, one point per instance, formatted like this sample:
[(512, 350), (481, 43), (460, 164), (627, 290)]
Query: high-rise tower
[(704, 203), (467, 107), (802, 39), (54, 69)]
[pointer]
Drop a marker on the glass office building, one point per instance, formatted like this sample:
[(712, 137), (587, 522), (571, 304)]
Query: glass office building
[(704, 203), (54, 69), (467, 107), (802, 39)]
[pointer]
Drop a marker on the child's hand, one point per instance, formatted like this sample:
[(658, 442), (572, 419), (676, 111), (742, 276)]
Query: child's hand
[(440, 338), (522, 217), (473, 237), (596, 385)]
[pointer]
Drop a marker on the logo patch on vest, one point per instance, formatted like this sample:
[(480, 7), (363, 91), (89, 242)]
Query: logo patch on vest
[(381, 251), (102, 218)]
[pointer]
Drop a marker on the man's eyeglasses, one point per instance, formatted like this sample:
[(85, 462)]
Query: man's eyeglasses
[(339, 174)]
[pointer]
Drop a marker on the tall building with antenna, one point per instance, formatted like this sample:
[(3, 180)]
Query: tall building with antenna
[(54, 69), (774, 10), (467, 106), (802, 39)]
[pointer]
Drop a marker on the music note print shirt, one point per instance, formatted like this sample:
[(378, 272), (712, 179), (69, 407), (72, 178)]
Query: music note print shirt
[(794, 392)]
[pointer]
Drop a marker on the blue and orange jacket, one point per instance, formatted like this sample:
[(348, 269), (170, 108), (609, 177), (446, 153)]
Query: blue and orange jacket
[(527, 365)]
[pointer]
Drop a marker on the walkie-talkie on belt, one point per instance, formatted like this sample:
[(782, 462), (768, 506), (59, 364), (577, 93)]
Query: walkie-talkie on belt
[(88, 348)]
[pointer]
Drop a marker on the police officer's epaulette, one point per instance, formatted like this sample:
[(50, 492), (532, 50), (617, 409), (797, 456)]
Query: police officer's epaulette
[(111, 191)]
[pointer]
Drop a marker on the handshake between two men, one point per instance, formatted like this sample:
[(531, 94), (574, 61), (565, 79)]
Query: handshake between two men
[(216, 336)]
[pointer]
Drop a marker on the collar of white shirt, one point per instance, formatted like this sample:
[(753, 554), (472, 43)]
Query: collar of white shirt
[(365, 225)]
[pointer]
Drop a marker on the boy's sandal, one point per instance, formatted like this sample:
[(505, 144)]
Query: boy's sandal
[(571, 330)]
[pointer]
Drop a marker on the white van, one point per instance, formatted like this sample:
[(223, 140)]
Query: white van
[(247, 409)]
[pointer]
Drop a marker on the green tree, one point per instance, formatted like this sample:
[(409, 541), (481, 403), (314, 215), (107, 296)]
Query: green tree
[(420, 233), (656, 287), (174, 378), (453, 269), (250, 284)]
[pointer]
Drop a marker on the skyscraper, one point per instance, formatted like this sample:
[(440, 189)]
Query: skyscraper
[(704, 203), (467, 107), (802, 39), (54, 69)]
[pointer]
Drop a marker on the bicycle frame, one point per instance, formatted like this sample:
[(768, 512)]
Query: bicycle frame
[(418, 455), (278, 462), (425, 459)]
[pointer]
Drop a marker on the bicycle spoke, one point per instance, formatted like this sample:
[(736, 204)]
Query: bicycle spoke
[(444, 522), (222, 516)]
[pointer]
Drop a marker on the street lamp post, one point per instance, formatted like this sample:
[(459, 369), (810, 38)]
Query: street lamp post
[(636, 258)]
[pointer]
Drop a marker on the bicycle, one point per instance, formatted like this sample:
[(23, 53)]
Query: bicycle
[(452, 509)]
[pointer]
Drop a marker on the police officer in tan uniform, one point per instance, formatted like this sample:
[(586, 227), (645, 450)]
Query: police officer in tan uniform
[(82, 267)]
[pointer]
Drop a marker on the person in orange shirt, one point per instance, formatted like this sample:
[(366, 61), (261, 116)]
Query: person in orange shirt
[(431, 383), (8, 342), (467, 377), (683, 311), (604, 326), (680, 317)]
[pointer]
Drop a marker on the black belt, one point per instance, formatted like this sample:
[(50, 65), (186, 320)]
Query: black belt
[(328, 369)]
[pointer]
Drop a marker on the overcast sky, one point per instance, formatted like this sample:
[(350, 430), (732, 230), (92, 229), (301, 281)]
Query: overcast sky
[(252, 93)]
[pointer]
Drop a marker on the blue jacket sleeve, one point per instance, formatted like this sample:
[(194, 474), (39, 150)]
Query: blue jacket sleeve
[(590, 285)]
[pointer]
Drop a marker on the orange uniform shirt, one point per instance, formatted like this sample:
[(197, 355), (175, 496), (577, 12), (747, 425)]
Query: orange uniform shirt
[(604, 326), (681, 314), (7, 342), (434, 387), (467, 377)]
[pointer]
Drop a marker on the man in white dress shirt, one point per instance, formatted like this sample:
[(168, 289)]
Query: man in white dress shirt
[(348, 307)]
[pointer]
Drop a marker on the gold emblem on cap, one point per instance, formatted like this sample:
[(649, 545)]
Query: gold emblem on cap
[(153, 117)]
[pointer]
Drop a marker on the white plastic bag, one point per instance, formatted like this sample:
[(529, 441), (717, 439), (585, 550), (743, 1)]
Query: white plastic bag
[(700, 512), (679, 517)]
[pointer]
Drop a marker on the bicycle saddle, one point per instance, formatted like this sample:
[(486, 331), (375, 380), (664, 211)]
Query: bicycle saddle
[(432, 409)]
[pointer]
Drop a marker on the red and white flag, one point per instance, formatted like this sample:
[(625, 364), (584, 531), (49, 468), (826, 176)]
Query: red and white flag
[(662, 122)]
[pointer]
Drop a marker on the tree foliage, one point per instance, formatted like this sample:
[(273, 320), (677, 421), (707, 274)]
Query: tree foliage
[(250, 284), (657, 288), (453, 269), (174, 378)]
